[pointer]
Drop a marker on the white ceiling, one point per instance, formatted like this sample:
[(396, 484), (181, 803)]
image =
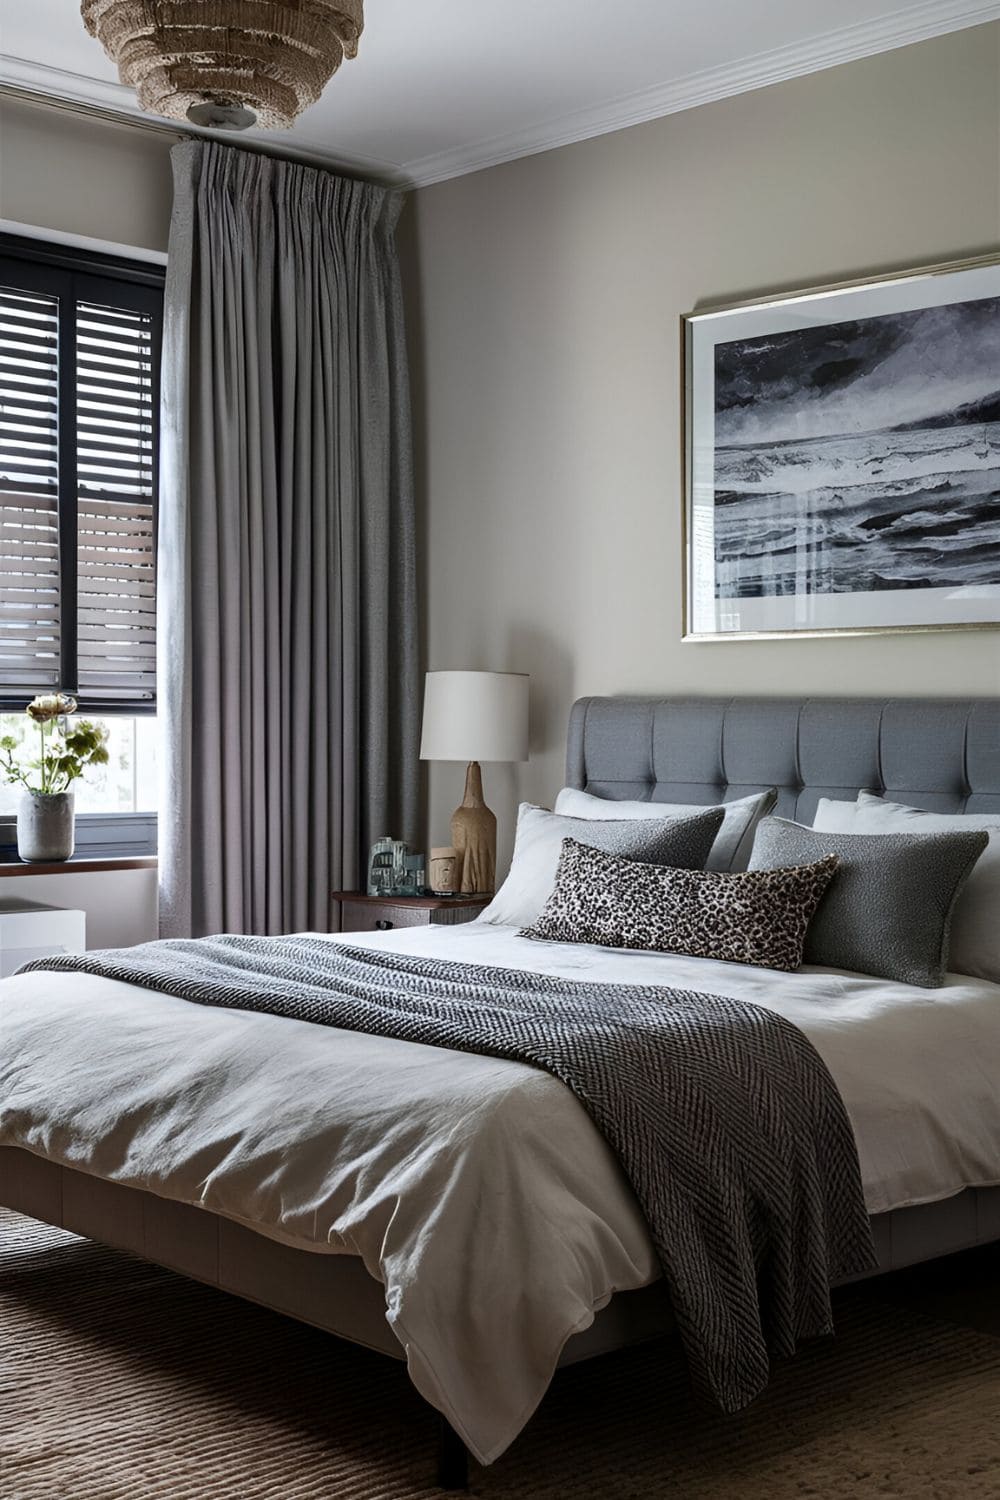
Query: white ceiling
[(443, 87)]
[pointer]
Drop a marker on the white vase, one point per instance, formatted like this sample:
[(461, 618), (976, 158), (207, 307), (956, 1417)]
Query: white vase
[(45, 827)]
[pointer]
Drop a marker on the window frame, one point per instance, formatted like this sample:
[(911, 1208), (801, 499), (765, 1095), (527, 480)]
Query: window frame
[(113, 835), (74, 275)]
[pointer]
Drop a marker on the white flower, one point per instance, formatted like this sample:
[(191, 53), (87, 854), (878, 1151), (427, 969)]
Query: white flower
[(50, 706)]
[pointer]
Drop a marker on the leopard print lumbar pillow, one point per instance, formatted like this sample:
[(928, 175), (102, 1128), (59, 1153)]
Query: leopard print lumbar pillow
[(760, 917)]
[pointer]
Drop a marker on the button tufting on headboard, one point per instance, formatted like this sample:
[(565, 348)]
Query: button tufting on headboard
[(941, 754)]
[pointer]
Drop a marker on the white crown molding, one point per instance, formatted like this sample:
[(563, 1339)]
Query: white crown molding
[(917, 23), (20, 72), (100, 94)]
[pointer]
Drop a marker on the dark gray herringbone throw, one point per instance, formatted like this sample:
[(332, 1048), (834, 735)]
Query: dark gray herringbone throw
[(723, 1116)]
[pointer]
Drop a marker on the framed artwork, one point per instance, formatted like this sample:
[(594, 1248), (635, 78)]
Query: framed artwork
[(842, 458)]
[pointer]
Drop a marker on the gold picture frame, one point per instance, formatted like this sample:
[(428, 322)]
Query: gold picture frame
[(901, 310)]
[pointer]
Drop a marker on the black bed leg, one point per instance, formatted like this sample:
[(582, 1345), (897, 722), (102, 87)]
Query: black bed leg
[(452, 1458)]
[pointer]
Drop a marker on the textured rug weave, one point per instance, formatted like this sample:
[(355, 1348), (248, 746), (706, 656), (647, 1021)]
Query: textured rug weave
[(119, 1381)]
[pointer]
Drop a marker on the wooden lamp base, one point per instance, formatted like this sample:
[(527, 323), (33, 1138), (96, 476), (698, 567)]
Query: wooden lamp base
[(474, 835)]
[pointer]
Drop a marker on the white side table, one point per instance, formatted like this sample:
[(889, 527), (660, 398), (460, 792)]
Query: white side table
[(30, 930)]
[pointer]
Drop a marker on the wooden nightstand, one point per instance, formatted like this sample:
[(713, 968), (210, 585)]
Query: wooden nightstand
[(360, 913)]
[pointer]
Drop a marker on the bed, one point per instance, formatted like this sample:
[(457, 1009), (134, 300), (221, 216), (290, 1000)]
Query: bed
[(346, 1230)]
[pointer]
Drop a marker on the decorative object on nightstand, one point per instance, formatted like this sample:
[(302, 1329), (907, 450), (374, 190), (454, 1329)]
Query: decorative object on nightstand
[(474, 716), (30, 930), (393, 870), (442, 872), (361, 913)]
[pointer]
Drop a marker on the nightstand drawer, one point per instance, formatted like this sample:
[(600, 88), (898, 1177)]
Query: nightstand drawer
[(354, 912), (383, 916)]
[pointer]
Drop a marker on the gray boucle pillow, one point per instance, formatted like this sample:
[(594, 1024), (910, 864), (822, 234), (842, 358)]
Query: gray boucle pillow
[(743, 918), (538, 842), (888, 912), (733, 842)]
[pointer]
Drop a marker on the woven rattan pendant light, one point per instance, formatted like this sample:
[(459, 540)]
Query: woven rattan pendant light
[(226, 63)]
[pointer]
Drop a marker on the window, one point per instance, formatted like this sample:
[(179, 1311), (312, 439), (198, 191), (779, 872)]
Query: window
[(127, 784), (79, 366)]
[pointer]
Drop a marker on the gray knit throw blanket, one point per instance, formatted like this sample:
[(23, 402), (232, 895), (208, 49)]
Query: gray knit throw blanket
[(726, 1121)]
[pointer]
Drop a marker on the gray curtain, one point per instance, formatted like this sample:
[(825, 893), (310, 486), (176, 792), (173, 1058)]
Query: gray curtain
[(288, 678)]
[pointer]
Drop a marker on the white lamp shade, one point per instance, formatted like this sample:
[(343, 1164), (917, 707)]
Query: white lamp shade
[(475, 716)]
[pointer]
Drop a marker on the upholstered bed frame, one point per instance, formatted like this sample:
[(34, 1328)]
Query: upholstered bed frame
[(930, 753), (939, 754)]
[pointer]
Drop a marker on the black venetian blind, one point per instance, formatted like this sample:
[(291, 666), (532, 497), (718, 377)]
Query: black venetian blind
[(79, 357)]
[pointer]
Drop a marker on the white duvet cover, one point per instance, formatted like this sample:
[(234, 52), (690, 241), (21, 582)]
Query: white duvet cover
[(476, 1190)]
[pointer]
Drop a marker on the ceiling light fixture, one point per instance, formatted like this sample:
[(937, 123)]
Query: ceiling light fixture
[(226, 64)]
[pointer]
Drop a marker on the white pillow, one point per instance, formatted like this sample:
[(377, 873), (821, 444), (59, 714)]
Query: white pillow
[(975, 924), (683, 842), (733, 842)]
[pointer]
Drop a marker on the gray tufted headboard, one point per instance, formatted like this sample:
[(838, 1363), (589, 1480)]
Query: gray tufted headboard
[(934, 753)]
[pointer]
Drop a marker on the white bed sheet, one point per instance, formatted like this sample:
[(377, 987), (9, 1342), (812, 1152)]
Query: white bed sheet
[(476, 1190)]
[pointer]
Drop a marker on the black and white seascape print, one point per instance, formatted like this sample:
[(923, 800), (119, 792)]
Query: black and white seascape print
[(860, 456)]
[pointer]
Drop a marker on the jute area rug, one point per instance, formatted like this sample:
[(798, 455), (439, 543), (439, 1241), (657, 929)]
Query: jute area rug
[(119, 1381)]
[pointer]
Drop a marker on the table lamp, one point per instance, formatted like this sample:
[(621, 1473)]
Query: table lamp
[(475, 716)]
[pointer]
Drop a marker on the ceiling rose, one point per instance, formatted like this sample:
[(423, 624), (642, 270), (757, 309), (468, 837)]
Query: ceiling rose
[(226, 63)]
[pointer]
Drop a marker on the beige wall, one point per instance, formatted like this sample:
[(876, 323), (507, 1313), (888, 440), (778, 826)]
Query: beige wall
[(545, 298), (63, 172)]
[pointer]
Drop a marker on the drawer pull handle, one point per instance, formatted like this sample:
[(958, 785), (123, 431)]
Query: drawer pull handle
[(382, 925)]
